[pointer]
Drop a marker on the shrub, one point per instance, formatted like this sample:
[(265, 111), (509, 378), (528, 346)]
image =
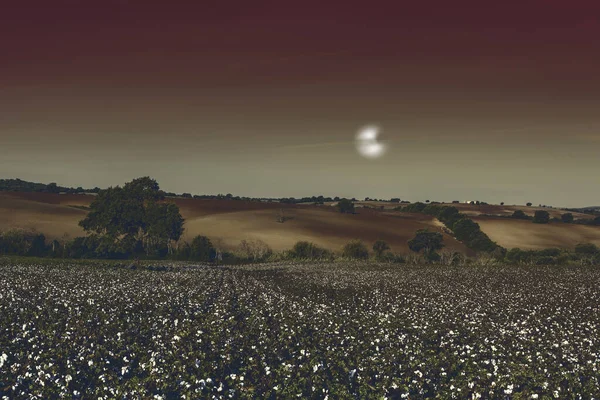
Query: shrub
[(346, 206), (415, 207), (380, 247), (308, 250), (541, 217), (355, 249), (519, 214), (202, 249), (465, 229), (589, 249), (392, 258), (514, 255), (255, 250), (567, 218)]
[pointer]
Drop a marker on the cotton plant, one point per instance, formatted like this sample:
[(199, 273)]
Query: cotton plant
[(298, 330)]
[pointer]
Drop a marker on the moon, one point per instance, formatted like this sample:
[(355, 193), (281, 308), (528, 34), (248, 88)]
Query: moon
[(367, 144)]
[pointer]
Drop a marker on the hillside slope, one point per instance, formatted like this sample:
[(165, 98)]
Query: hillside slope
[(227, 222)]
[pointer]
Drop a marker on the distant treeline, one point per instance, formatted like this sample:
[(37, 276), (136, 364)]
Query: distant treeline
[(18, 185), (543, 217)]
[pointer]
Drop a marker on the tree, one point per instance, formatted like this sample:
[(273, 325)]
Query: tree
[(567, 218), (380, 247), (502, 203), (202, 249), (426, 240), (131, 214), (541, 217), (53, 188), (164, 225), (528, 204), (346, 206), (465, 229), (308, 250), (355, 249), (519, 214)]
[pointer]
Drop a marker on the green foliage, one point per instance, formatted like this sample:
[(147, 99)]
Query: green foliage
[(20, 242), (124, 216), (356, 250), (589, 249), (380, 247), (541, 217), (427, 241), (414, 208), (567, 218), (346, 206), (309, 251), (519, 214), (466, 229), (37, 247), (201, 249)]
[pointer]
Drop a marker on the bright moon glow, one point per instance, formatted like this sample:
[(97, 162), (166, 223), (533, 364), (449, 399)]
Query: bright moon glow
[(367, 144)]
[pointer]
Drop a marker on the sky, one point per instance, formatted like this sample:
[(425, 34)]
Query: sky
[(494, 101)]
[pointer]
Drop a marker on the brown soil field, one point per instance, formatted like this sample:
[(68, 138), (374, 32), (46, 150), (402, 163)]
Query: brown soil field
[(227, 222), (511, 233), (48, 216)]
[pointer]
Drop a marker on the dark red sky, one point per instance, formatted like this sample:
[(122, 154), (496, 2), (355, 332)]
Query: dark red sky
[(493, 100)]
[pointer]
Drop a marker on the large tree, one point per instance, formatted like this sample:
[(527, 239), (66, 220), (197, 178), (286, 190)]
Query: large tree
[(427, 241), (134, 215)]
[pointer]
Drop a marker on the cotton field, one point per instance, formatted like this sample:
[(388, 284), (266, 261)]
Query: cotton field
[(299, 331)]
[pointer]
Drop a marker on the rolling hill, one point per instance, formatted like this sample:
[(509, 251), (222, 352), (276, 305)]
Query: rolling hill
[(227, 222)]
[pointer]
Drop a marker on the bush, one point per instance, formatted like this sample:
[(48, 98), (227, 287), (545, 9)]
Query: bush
[(346, 206), (514, 255), (567, 218), (380, 247), (541, 217), (588, 249), (255, 250), (308, 250), (392, 258), (355, 249), (202, 249), (415, 207), (426, 240), (519, 214)]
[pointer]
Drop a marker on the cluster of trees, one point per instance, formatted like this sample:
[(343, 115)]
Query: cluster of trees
[(464, 228), (19, 242), (586, 253), (543, 217), (18, 185)]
